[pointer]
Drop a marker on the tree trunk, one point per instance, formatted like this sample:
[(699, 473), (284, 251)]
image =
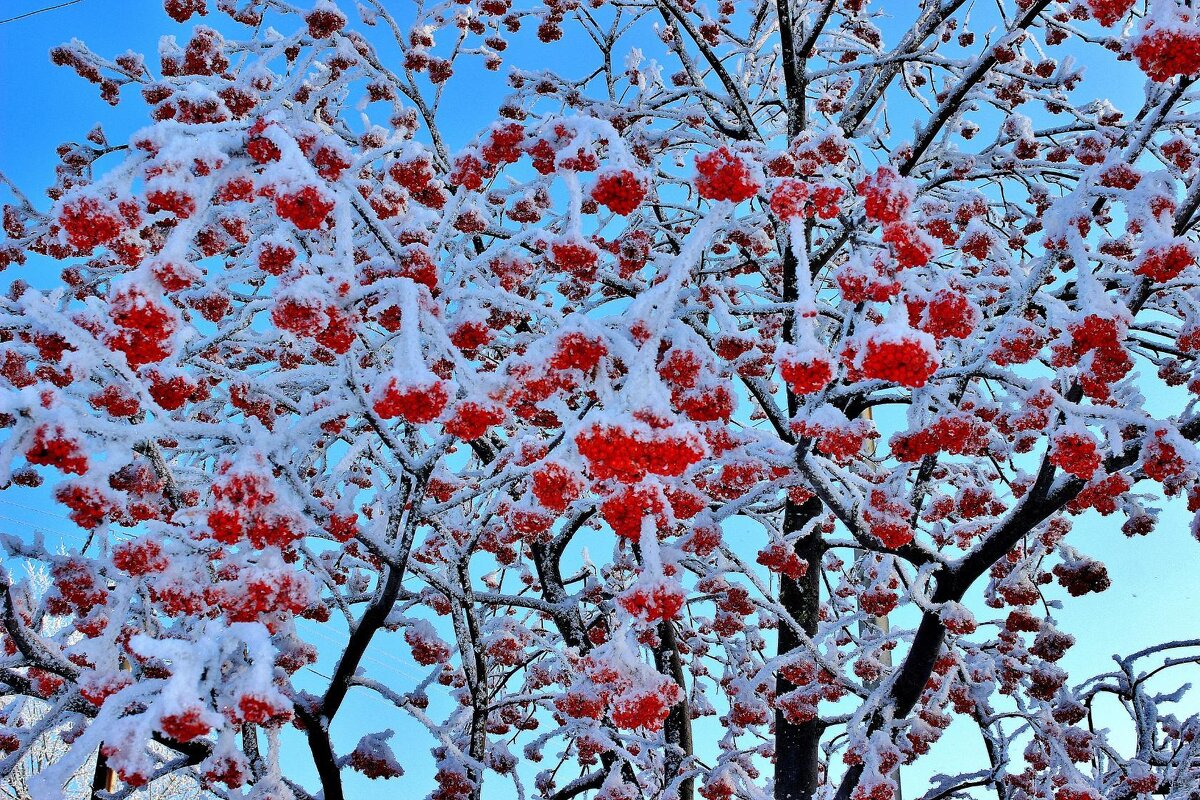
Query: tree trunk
[(678, 728), (797, 765)]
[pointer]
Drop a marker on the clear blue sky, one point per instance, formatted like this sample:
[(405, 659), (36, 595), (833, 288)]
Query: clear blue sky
[(1155, 589)]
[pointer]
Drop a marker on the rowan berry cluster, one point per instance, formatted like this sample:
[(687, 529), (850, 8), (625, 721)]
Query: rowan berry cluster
[(805, 372), (307, 207), (620, 191), (142, 556), (908, 359), (577, 351), (653, 600), (958, 433), (1109, 12), (374, 758), (944, 313), (314, 318), (1165, 263), (470, 420), (1076, 453), (185, 725), (53, 447), (722, 174), (1164, 51), (615, 451), (416, 402), (246, 509), (556, 486), (144, 326)]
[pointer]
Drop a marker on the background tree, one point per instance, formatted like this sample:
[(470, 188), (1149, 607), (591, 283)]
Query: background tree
[(590, 414)]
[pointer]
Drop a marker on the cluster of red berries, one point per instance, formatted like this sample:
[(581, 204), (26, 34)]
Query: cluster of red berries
[(805, 373), (511, 270), (577, 351), (910, 245), (613, 451), (1081, 576), (76, 587), (1109, 12), (1165, 263), (145, 327), (781, 558), (182, 10), (888, 520), (886, 196), (329, 158), (1160, 459), (306, 208), (635, 701), (704, 404), (722, 174), (170, 391), (324, 20), (652, 600), (620, 191), (503, 145), (899, 357), (259, 709), (789, 201), (471, 419), (173, 201), (264, 596), (427, 647), (185, 725), (260, 145), (880, 790), (470, 171), (53, 447), (313, 318), (646, 708), (796, 199), (470, 335), (245, 510), (1076, 453), (275, 258), (739, 478), (416, 402), (173, 276), (946, 313), (417, 177), (841, 442), (89, 505), (97, 687), (141, 556), (873, 281), (373, 758), (556, 486), (89, 222), (1100, 337), (702, 401), (626, 509), (1165, 51), (959, 434), (1101, 495), (576, 257)]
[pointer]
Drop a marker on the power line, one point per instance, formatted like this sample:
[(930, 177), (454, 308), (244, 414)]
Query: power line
[(39, 11), (6, 502)]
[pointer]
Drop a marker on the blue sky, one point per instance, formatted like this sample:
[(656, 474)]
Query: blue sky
[(1154, 592)]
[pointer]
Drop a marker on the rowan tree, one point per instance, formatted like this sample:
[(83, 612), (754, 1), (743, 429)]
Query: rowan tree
[(667, 422)]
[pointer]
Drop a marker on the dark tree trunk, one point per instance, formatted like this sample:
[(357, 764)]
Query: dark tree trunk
[(678, 728), (797, 766)]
